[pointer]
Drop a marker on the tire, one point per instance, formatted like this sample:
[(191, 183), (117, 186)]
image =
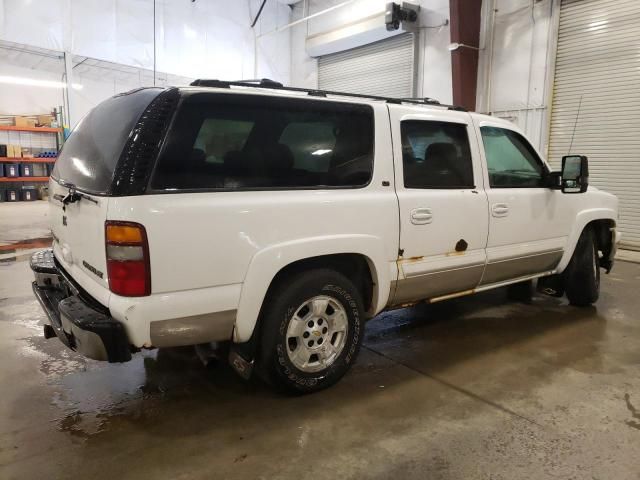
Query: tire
[(305, 356), (582, 275)]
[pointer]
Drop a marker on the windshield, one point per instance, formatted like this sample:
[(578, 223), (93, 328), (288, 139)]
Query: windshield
[(90, 154)]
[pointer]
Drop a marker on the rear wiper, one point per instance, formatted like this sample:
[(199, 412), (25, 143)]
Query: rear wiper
[(73, 196)]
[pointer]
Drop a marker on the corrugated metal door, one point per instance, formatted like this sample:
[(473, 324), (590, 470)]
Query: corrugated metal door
[(382, 68), (598, 62)]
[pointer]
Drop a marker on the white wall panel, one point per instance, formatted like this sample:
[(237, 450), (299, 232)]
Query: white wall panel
[(40, 23), (516, 61), (27, 100), (205, 38)]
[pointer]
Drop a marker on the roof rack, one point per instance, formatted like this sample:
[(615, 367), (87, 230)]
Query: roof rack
[(273, 85)]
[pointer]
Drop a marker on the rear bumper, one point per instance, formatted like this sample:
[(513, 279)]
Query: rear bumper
[(79, 325)]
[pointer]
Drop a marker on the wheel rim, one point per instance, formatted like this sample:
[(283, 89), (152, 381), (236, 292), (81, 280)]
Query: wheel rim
[(317, 333)]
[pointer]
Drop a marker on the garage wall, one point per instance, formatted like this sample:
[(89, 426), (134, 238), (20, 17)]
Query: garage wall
[(434, 65), (596, 94), (202, 38), (207, 39), (515, 73)]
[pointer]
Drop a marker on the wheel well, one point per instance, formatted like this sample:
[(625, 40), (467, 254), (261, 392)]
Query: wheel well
[(604, 240), (354, 266), (602, 232)]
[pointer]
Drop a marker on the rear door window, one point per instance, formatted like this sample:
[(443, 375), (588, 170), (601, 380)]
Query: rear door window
[(237, 142), (89, 156), (436, 155)]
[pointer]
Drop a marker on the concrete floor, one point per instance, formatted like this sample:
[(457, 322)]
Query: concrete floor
[(478, 387)]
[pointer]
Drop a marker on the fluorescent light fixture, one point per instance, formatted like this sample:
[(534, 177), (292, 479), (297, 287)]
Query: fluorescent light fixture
[(321, 152), (32, 82)]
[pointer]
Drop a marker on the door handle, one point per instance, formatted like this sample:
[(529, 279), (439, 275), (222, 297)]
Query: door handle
[(500, 209), (421, 216)]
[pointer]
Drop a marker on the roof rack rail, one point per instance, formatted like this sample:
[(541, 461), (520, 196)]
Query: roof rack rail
[(273, 85)]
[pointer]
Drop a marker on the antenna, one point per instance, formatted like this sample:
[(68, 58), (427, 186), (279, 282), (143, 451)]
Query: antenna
[(573, 134)]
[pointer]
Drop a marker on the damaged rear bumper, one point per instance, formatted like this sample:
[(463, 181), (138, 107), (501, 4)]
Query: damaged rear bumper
[(79, 325)]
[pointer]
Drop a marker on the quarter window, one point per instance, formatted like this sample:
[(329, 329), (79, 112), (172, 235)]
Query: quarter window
[(436, 155), (511, 161), (233, 142)]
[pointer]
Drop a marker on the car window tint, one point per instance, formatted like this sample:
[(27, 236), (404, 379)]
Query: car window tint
[(226, 141), (216, 137), (89, 156), (436, 155), (511, 161), (311, 144)]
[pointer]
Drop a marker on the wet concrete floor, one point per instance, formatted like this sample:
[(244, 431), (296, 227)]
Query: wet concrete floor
[(478, 387)]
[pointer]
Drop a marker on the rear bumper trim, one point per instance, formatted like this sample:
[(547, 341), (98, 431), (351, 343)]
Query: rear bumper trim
[(80, 327)]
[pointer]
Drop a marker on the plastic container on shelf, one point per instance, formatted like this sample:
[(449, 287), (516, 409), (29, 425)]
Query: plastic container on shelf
[(26, 170), (11, 170), (12, 194), (29, 194)]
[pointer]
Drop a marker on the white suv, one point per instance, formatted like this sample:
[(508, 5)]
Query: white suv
[(281, 219)]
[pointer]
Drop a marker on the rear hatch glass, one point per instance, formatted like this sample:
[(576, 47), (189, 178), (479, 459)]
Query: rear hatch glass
[(90, 154)]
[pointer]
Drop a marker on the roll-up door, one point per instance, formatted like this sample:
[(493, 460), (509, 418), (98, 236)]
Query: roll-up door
[(382, 68), (598, 69)]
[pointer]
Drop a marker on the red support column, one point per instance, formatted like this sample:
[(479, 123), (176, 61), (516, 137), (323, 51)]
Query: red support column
[(465, 30)]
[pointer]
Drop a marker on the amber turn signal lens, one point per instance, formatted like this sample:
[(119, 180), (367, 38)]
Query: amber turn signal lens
[(124, 234)]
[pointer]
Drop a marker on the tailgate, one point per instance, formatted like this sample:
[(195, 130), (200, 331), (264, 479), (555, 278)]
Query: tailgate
[(78, 239)]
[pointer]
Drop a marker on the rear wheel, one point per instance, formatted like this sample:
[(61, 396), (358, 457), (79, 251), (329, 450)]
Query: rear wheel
[(312, 331), (582, 275)]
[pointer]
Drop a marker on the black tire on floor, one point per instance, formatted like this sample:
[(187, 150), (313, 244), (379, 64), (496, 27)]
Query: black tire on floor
[(582, 275), (274, 365)]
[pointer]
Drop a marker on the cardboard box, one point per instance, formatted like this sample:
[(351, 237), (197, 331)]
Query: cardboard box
[(24, 122), (26, 152), (14, 151), (45, 120)]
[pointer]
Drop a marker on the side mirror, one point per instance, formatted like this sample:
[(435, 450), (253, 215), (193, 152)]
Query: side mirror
[(575, 174)]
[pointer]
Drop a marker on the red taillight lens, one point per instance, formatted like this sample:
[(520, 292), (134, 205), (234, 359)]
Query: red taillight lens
[(127, 259)]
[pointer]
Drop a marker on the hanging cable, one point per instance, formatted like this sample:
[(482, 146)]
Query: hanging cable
[(255, 20)]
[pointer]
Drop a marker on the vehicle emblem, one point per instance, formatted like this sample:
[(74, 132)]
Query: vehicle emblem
[(316, 333)]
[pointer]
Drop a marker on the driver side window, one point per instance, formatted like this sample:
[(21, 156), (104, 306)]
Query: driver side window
[(511, 161)]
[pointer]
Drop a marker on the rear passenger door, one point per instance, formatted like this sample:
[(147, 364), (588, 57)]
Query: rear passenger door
[(443, 207)]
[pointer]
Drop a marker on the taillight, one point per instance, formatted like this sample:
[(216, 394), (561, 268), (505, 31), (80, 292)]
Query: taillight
[(127, 259)]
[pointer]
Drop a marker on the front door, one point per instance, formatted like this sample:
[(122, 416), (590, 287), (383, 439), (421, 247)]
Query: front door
[(529, 223), (443, 207)]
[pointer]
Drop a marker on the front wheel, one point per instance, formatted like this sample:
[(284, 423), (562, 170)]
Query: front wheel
[(312, 331), (582, 275)]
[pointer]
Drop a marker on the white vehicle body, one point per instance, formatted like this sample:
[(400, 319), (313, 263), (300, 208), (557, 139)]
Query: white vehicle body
[(214, 254)]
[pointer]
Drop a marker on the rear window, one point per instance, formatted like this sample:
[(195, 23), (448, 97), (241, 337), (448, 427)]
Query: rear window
[(235, 142), (90, 154)]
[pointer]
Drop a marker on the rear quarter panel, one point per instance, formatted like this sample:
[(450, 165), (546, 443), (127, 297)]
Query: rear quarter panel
[(210, 239)]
